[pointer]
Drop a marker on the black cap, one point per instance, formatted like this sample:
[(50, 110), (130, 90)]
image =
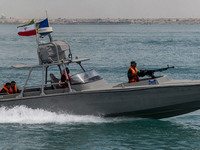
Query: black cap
[(133, 62), (8, 84)]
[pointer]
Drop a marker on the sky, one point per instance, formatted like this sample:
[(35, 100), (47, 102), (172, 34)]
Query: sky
[(100, 8)]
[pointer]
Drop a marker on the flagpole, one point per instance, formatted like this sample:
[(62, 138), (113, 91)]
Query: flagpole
[(36, 37), (50, 37), (37, 40), (47, 17), (46, 14)]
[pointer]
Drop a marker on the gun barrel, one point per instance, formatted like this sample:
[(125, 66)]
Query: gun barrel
[(162, 69), (151, 72)]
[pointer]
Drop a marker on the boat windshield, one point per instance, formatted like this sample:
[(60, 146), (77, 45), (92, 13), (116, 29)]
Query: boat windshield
[(85, 77)]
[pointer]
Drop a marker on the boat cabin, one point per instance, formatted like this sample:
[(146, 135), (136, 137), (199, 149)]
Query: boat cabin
[(53, 54)]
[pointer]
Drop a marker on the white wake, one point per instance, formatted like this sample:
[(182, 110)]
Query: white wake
[(24, 115)]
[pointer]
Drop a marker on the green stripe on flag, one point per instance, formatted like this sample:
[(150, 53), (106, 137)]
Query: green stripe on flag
[(30, 23)]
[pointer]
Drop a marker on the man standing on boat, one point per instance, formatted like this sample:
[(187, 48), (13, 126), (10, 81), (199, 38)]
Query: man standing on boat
[(64, 79), (5, 89), (133, 73), (13, 88)]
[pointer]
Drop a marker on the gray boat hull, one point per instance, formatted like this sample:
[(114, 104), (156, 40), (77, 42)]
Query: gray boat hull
[(152, 102)]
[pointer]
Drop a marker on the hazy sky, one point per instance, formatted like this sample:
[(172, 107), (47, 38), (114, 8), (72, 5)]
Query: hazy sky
[(101, 8)]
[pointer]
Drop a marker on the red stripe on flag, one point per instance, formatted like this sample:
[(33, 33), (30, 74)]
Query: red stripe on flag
[(27, 33)]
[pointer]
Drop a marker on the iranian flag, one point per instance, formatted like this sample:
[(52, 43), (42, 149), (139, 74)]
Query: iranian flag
[(27, 29)]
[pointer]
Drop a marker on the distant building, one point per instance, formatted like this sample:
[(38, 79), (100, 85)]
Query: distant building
[(3, 16)]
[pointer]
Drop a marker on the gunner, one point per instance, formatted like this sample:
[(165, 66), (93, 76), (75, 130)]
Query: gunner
[(133, 73), (5, 89), (64, 79), (13, 88)]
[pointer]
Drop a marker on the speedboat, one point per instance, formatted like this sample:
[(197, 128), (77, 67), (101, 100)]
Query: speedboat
[(89, 94)]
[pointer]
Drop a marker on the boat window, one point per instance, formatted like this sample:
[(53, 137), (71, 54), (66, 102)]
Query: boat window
[(85, 77)]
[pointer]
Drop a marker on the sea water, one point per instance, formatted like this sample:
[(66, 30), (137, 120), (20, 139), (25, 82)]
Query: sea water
[(110, 49)]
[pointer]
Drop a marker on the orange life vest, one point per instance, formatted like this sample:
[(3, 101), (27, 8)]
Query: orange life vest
[(64, 85), (135, 78), (4, 87), (12, 91)]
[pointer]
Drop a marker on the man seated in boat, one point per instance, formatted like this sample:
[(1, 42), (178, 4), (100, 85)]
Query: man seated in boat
[(65, 79), (13, 88), (133, 73), (5, 89)]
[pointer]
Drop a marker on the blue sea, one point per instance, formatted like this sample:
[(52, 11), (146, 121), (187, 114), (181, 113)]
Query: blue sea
[(110, 49)]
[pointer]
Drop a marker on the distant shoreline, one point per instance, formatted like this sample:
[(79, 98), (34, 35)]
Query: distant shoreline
[(108, 21)]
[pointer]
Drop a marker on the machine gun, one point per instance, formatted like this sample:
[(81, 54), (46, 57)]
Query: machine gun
[(150, 73)]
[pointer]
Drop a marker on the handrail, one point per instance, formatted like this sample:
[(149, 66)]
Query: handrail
[(52, 64), (39, 86)]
